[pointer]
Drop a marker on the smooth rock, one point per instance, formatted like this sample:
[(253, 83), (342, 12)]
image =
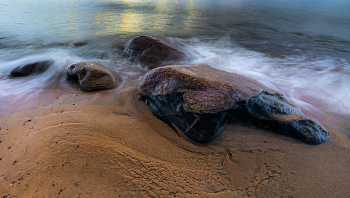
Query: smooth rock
[(79, 44), (198, 100), (92, 76), (36, 67), (152, 52)]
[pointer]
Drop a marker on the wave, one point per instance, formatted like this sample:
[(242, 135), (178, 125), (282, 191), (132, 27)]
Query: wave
[(311, 82)]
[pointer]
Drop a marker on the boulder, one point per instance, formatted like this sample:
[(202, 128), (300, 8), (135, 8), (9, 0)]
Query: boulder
[(92, 76), (198, 100), (152, 52), (36, 67)]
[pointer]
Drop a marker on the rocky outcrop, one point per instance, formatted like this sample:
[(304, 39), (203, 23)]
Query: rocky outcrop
[(152, 52), (92, 76), (198, 100), (36, 67)]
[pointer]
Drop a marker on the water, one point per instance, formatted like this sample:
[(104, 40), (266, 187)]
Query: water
[(301, 48)]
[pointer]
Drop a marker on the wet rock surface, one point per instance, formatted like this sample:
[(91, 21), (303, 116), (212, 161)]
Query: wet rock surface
[(25, 70), (152, 52), (198, 127), (92, 76), (198, 100)]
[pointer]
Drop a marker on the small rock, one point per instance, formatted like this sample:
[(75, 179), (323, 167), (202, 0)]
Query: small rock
[(25, 70), (78, 44), (92, 76)]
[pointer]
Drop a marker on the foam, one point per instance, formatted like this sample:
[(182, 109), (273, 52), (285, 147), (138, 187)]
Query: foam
[(311, 83)]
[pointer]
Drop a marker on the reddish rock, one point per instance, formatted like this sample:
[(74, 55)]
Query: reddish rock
[(198, 100), (153, 52), (78, 44)]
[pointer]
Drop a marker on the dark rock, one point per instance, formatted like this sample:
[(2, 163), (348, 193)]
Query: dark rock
[(276, 113), (152, 52), (78, 44), (198, 127), (25, 70), (198, 100), (92, 76)]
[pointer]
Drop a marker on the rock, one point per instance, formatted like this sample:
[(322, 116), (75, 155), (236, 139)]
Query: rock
[(198, 100), (25, 70), (79, 44), (92, 76), (152, 52)]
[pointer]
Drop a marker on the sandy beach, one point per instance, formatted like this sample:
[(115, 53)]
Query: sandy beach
[(58, 141), (68, 143)]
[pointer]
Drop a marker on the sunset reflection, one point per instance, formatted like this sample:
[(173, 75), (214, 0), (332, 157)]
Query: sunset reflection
[(113, 23), (125, 16)]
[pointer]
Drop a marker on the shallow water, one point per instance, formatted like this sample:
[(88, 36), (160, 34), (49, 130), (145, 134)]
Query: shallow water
[(299, 48)]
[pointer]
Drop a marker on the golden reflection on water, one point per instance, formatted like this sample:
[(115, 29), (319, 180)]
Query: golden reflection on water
[(155, 18), (81, 18), (111, 23), (193, 14)]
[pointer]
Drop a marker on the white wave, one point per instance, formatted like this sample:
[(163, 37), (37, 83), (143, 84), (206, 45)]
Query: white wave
[(310, 83), (322, 83)]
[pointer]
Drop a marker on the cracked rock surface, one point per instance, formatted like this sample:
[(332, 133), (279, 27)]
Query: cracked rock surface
[(197, 100)]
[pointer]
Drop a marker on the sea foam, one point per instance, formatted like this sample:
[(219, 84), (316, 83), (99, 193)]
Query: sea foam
[(311, 83)]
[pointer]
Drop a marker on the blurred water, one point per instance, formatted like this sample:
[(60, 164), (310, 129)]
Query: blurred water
[(298, 47)]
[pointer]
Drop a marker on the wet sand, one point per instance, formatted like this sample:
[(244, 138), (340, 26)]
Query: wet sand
[(68, 143)]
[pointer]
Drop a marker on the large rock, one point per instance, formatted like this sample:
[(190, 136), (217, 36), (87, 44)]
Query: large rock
[(198, 100), (92, 76), (36, 67), (152, 52)]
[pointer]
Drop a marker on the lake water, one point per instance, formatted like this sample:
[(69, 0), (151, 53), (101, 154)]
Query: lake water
[(301, 48)]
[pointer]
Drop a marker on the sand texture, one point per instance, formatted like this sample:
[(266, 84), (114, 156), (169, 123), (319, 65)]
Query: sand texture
[(107, 144)]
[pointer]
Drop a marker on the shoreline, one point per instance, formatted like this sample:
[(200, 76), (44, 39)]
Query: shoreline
[(58, 141), (107, 144)]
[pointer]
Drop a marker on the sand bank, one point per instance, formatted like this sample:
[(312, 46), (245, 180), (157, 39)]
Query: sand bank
[(68, 143)]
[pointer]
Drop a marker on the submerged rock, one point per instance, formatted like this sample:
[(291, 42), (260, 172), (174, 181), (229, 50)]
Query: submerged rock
[(79, 44), (198, 100), (36, 67), (152, 52), (92, 76)]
